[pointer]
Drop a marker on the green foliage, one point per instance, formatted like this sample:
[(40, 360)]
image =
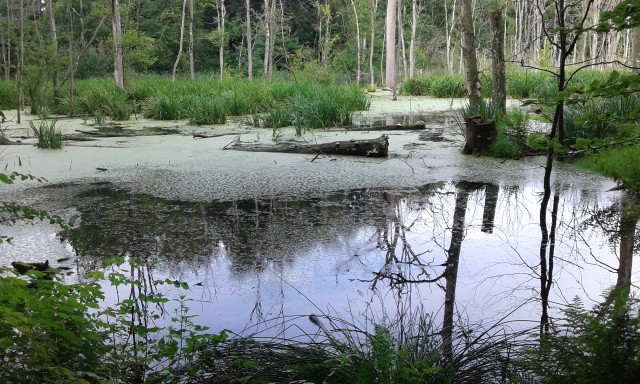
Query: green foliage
[(418, 86), (485, 110), (502, 147), (8, 95), (52, 332), (94, 64), (601, 118), (165, 107), (97, 98), (47, 134), (209, 109), (448, 86), (622, 164), (49, 331), (592, 347)]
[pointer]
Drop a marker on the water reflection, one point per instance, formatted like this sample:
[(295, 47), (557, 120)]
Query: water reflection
[(462, 250)]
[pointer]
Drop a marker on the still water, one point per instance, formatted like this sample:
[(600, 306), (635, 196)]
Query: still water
[(360, 254)]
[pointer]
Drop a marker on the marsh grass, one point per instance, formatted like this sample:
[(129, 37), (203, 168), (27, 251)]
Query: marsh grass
[(520, 84), (207, 110), (211, 101), (406, 349), (47, 134), (600, 118), (8, 95)]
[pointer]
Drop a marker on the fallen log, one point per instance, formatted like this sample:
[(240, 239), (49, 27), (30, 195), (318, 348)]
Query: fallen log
[(370, 148)]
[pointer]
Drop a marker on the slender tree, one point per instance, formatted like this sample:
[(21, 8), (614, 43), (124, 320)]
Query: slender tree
[(358, 42), (249, 39), (499, 89), (20, 71), (391, 69), (469, 60), (192, 70), (412, 43), (372, 25), (222, 16), (54, 44), (269, 37), (118, 56), (179, 55)]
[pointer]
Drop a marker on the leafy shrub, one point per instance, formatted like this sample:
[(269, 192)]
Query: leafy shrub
[(418, 86), (622, 164), (600, 118), (502, 147), (592, 346)]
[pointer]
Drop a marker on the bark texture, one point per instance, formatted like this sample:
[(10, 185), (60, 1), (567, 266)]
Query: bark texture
[(469, 59)]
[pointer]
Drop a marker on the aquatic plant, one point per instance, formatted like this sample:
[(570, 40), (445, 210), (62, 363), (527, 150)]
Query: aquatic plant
[(47, 134), (207, 109), (165, 107)]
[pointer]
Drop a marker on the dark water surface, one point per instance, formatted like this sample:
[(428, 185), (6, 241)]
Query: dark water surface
[(362, 253)]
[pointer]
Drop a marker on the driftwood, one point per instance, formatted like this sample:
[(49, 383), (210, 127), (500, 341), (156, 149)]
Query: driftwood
[(208, 136), (480, 134), (371, 148), (420, 125)]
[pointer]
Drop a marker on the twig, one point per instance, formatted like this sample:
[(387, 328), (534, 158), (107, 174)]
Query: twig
[(598, 147)]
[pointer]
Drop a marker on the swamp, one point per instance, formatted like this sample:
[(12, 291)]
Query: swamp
[(319, 191)]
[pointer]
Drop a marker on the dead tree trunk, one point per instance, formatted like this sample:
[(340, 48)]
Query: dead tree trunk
[(391, 72), (370, 148), (499, 92), (470, 61), (118, 57), (249, 44)]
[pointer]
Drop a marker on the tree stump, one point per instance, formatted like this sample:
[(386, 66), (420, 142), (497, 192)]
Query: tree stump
[(480, 134)]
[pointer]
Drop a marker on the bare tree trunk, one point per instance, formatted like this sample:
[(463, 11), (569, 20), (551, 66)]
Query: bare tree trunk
[(325, 23), (627, 230), (54, 44), (401, 43), (192, 70), (374, 10), (269, 38), (175, 65), (470, 62), (118, 57), (20, 71), (391, 72), (222, 15), (249, 44), (7, 58), (448, 31), (412, 43), (358, 41), (499, 91)]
